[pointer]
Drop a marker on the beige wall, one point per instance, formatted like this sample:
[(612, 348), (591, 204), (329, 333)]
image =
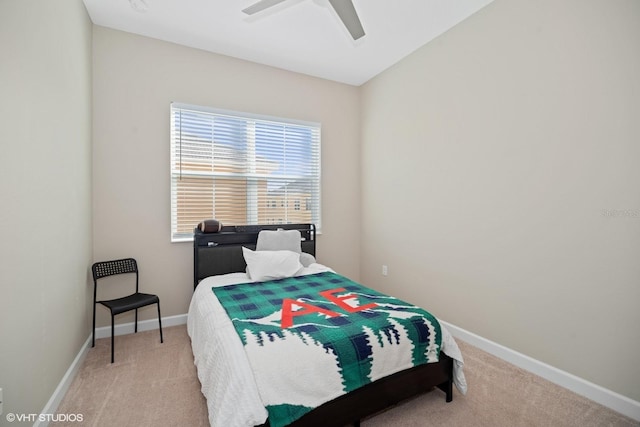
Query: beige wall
[(135, 79), (45, 219), (515, 138)]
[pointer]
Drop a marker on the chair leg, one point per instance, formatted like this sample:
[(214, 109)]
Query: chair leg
[(93, 336), (136, 326), (112, 340), (160, 323)]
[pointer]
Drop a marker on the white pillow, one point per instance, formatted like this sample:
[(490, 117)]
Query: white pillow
[(279, 240), (271, 265), (307, 259)]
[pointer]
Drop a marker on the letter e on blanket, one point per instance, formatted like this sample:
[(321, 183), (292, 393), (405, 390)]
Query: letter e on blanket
[(340, 301)]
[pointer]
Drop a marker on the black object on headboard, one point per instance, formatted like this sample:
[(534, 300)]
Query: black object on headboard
[(221, 253)]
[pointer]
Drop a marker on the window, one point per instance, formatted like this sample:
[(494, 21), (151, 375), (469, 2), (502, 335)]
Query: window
[(241, 169)]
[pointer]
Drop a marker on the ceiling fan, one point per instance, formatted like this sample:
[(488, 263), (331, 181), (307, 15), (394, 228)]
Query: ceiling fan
[(344, 8)]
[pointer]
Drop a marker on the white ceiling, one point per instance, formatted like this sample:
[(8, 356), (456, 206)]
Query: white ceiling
[(304, 36)]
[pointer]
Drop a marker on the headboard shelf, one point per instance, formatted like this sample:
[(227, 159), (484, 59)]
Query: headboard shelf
[(221, 253)]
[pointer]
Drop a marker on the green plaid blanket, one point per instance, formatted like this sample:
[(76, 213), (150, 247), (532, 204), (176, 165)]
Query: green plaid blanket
[(310, 339)]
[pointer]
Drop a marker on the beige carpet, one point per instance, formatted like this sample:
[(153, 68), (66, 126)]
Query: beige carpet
[(153, 384)]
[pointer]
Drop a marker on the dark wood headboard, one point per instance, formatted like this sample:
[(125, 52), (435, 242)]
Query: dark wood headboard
[(221, 253)]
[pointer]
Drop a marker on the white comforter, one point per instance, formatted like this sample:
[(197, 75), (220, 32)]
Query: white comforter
[(222, 364)]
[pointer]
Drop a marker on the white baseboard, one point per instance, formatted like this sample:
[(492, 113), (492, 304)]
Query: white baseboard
[(63, 386), (102, 332), (601, 395), (143, 325)]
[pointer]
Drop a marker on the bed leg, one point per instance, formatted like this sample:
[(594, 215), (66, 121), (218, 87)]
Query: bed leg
[(447, 387)]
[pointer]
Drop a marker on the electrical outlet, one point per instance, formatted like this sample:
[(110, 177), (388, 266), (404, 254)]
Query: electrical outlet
[(385, 270)]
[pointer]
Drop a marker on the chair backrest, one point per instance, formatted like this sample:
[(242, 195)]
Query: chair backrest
[(110, 268)]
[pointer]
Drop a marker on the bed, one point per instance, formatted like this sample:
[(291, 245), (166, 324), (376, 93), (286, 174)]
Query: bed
[(224, 361)]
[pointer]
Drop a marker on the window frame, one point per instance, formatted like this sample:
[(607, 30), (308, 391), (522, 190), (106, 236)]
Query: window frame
[(250, 164)]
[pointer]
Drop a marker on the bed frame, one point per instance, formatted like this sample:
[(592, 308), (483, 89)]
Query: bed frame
[(221, 253)]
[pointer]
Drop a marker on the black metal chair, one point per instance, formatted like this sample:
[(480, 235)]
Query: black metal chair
[(120, 305)]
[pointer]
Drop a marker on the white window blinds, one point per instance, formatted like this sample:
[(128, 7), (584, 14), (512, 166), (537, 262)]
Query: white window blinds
[(241, 169)]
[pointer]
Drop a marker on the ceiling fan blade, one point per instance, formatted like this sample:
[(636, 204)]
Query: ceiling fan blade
[(260, 6), (349, 17)]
